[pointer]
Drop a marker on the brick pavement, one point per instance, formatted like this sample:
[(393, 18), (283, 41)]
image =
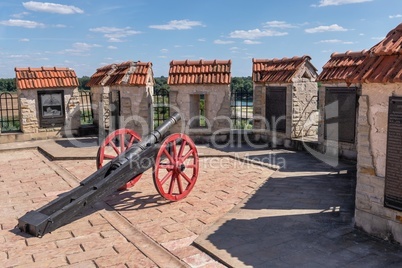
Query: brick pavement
[(134, 228)]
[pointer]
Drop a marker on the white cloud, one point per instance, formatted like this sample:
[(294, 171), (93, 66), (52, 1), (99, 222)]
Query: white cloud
[(79, 48), (324, 3), (201, 39), (335, 41), (177, 25), (20, 15), (24, 40), (114, 34), (112, 47), (164, 50), (395, 16), (22, 23), (254, 34), (251, 42), (223, 42), (330, 28), (278, 24), (52, 8)]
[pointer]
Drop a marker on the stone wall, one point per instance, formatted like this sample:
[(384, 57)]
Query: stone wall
[(100, 107), (345, 150), (370, 214), (301, 112), (136, 108), (29, 115), (217, 110), (304, 109), (29, 112)]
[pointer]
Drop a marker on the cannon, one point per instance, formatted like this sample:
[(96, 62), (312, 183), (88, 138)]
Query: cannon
[(122, 158)]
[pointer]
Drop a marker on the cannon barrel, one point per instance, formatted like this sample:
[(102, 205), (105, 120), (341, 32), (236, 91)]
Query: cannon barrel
[(131, 163)]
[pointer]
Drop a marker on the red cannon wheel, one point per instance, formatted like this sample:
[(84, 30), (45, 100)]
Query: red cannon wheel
[(176, 167), (114, 144)]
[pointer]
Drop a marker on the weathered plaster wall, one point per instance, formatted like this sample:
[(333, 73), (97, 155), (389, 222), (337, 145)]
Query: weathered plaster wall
[(217, 108), (371, 215), (136, 108)]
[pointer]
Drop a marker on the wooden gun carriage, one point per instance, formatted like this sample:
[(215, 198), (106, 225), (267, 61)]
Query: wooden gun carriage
[(122, 158)]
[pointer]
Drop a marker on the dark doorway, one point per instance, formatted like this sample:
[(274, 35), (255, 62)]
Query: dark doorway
[(276, 108), (114, 110), (340, 114)]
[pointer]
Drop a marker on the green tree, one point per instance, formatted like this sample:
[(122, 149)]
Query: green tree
[(82, 83), (161, 84)]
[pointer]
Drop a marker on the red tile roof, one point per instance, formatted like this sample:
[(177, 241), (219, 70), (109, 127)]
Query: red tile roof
[(126, 73), (384, 61), (341, 65), (278, 70), (45, 77), (200, 72)]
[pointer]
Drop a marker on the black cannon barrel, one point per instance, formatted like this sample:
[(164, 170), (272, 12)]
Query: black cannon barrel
[(131, 163)]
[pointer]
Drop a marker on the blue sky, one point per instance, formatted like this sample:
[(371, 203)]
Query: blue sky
[(85, 35)]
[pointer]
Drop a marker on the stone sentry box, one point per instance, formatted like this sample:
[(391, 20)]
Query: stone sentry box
[(337, 132), (48, 101), (122, 96), (200, 91), (285, 99), (378, 209)]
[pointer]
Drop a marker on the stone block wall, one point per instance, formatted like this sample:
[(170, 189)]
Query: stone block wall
[(217, 109), (29, 115), (370, 214), (29, 112), (100, 106), (301, 112), (304, 109)]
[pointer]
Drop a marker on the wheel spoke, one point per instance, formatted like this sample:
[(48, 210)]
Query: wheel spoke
[(122, 146), (166, 166), (187, 155), (114, 147), (169, 174), (179, 184), (172, 181), (130, 143), (183, 145), (108, 156), (185, 177), (169, 156), (174, 150)]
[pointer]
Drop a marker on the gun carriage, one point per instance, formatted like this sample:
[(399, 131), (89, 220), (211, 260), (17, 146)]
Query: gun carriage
[(121, 159)]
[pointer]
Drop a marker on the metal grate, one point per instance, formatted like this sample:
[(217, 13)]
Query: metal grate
[(241, 103), (86, 108), (161, 107), (9, 114)]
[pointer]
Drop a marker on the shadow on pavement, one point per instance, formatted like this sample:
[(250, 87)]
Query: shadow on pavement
[(302, 216)]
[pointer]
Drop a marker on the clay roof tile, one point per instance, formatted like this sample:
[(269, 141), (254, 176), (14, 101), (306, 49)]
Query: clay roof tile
[(199, 72), (36, 78)]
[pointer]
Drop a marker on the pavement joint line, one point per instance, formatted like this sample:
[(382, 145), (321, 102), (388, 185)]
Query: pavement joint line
[(69, 178), (154, 251)]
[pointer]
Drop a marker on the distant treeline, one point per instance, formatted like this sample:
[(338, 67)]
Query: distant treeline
[(238, 83)]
